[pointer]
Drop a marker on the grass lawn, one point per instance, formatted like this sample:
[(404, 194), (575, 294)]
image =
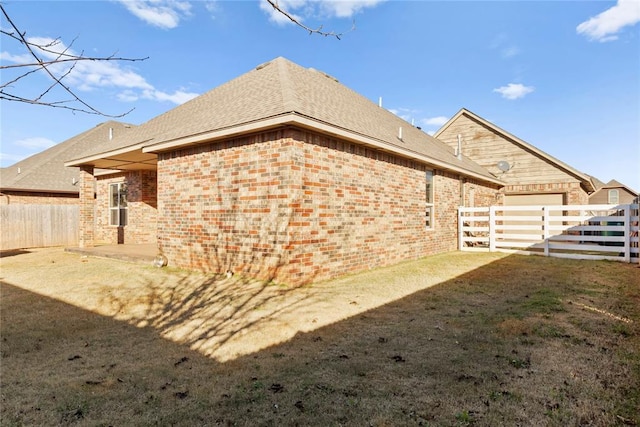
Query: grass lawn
[(459, 339)]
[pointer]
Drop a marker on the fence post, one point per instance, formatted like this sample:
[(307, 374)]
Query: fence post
[(627, 233), (492, 229), (460, 226), (545, 229)]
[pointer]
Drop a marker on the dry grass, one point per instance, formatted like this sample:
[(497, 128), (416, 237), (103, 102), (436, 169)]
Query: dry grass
[(451, 340)]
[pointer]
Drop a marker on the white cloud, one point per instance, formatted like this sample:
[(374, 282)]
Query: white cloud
[(435, 121), (406, 114), (177, 97), (165, 14), (17, 59), (35, 143), (346, 8), (606, 25), (211, 6), (514, 90), (128, 96), (503, 44), (509, 52), (9, 159), (301, 9), (92, 75), (287, 5)]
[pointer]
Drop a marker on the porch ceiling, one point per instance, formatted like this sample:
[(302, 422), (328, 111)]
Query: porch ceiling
[(132, 160)]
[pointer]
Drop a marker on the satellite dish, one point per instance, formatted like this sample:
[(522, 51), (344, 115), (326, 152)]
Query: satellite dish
[(503, 165)]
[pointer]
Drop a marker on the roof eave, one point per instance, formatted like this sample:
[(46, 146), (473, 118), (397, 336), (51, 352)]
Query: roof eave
[(87, 160), (293, 118), (37, 190)]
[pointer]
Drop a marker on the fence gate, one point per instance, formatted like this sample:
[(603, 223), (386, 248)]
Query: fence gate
[(566, 231)]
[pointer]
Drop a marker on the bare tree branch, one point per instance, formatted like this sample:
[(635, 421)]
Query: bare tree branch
[(39, 64), (319, 31), (46, 58)]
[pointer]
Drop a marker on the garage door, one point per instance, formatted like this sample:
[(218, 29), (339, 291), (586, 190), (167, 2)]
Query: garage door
[(533, 199)]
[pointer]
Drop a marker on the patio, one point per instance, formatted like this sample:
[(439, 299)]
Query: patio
[(141, 254)]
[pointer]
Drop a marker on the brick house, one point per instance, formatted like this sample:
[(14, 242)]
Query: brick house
[(282, 173), (43, 179), (530, 176)]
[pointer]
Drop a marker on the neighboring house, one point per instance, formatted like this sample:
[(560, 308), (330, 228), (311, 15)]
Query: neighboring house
[(282, 173), (43, 178), (612, 193), (531, 176)]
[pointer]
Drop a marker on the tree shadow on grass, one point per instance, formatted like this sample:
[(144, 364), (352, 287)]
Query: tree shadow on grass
[(217, 315), (505, 344)]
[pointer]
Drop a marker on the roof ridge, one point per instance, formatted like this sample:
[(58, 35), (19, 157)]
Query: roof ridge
[(289, 100)]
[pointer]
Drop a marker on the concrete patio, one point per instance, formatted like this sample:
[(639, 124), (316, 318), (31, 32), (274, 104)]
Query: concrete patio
[(142, 254)]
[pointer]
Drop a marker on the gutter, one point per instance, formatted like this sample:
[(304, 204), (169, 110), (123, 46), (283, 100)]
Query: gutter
[(293, 118)]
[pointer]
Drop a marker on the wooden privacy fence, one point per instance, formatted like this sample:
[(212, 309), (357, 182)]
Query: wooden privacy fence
[(567, 231), (34, 226)]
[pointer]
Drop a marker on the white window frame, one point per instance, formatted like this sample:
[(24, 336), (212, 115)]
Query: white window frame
[(615, 199), (429, 199), (118, 209)]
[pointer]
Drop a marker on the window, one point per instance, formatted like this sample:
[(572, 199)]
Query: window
[(429, 198), (118, 204), (613, 197)]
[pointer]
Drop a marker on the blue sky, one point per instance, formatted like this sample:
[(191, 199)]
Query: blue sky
[(562, 75)]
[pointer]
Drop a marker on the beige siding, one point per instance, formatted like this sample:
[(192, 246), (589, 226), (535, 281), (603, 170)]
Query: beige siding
[(533, 199), (486, 147), (601, 197)]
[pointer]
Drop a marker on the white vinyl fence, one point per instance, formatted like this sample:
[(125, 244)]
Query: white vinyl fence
[(568, 231), (35, 226)]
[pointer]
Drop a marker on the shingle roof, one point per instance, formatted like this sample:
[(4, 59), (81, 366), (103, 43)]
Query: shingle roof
[(279, 88), (597, 184), (616, 184), (45, 171)]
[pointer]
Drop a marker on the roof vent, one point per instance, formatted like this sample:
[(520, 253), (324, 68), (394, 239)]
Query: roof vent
[(330, 77), (400, 133), (323, 73)]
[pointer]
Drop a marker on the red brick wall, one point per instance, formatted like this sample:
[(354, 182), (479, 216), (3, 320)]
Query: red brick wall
[(35, 198), (86, 228), (142, 208), (295, 206), (478, 194)]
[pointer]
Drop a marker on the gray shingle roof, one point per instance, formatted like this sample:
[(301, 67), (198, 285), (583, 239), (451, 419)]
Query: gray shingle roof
[(45, 171), (278, 88)]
